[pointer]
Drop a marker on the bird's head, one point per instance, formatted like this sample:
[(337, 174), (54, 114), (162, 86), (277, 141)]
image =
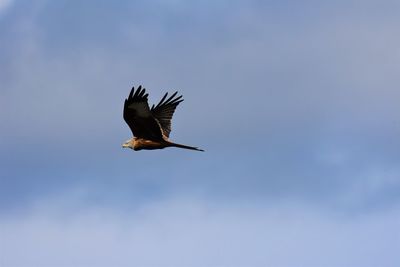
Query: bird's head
[(128, 144)]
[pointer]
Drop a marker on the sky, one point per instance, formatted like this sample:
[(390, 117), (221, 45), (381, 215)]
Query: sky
[(294, 102)]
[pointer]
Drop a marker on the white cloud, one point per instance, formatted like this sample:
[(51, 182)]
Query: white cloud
[(190, 232), (4, 4)]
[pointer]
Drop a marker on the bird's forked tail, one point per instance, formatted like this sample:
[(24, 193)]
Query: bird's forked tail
[(186, 147)]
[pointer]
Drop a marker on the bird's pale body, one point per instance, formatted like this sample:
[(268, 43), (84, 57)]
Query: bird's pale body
[(140, 143)]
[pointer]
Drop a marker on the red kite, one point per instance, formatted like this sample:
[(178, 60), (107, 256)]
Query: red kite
[(150, 127)]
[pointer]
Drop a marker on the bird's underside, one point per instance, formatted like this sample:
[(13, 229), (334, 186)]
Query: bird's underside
[(140, 143), (150, 127)]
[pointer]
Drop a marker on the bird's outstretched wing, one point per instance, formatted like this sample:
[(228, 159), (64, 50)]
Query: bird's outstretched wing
[(138, 116), (164, 111)]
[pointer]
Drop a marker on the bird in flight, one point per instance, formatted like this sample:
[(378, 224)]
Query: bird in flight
[(150, 126)]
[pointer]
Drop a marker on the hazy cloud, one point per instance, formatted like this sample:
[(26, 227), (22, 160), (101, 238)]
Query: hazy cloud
[(191, 232), (296, 105), (4, 4)]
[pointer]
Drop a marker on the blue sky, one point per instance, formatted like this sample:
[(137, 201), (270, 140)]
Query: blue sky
[(295, 103)]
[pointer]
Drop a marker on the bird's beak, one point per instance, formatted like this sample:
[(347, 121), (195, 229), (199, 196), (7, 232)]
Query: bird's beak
[(124, 145)]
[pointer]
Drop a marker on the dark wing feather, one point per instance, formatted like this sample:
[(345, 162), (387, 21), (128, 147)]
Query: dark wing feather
[(164, 111), (138, 116)]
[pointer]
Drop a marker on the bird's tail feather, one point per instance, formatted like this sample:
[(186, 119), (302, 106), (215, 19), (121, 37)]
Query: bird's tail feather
[(186, 147)]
